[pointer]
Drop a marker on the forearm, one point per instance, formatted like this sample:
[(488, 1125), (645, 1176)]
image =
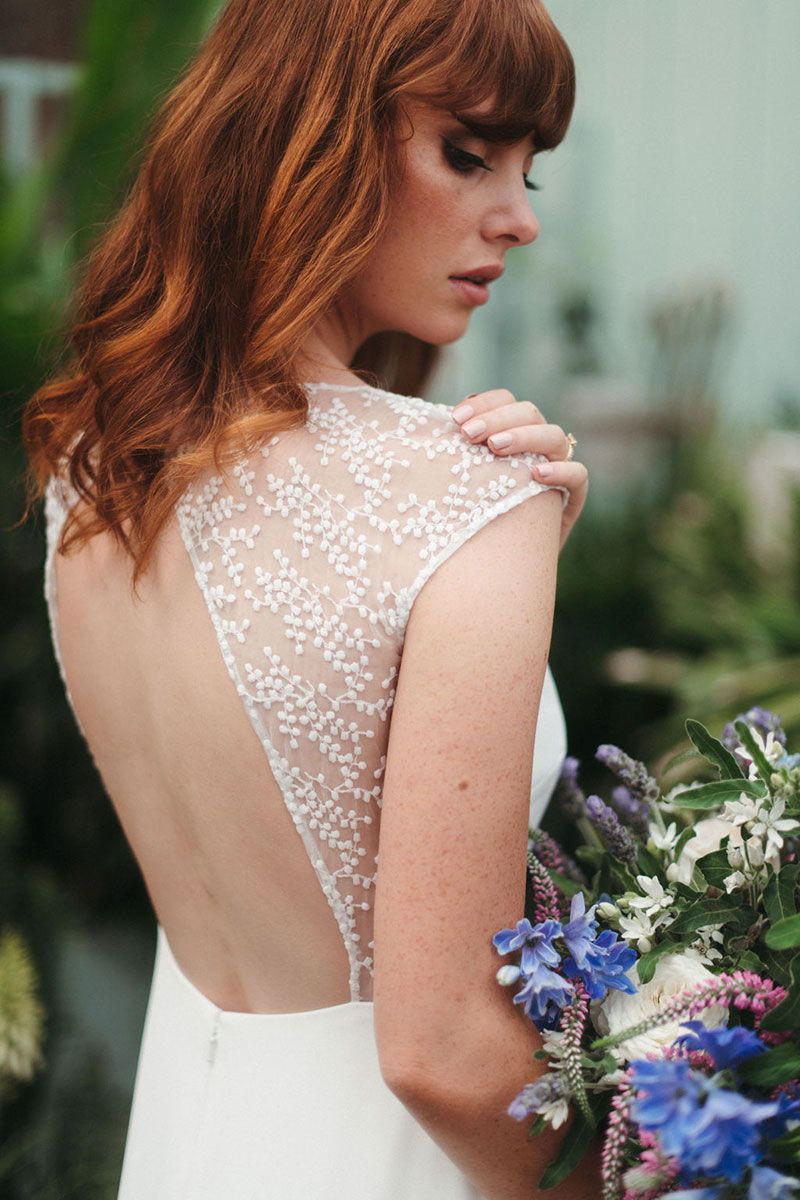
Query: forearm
[(459, 1091)]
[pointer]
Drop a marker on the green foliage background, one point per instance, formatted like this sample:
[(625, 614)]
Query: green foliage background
[(671, 575)]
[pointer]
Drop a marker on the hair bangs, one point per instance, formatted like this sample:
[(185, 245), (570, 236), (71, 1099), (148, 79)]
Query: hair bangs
[(507, 72)]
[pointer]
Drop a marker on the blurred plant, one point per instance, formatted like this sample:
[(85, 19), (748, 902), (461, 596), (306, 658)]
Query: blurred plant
[(21, 1013), (61, 849)]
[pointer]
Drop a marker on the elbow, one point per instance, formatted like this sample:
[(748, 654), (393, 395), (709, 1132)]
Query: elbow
[(432, 1088)]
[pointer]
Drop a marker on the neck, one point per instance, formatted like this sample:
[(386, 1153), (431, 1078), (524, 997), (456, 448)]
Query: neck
[(329, 349)]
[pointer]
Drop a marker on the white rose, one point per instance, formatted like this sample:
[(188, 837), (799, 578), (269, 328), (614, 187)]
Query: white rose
[(619, 1011)]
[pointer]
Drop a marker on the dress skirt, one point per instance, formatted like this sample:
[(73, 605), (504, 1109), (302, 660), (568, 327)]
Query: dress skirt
[(289, 1106)]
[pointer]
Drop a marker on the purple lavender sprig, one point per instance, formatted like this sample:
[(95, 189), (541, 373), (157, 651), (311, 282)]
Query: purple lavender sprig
[(616, 836), (632, 811), (568, 792), (633, 774)]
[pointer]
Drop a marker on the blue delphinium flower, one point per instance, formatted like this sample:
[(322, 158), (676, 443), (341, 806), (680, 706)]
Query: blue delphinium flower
[(725, 1136), (767, 1184), (668, 1101), (580, 932), (709, 1130), (761, 719), (725, 1047), (535, 941), (607, 962), (543, 995), (788, 1110)]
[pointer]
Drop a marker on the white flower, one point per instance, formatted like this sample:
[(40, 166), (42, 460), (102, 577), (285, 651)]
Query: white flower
[(734, 881), (553, 1040), (772, 750), (655, 899), (618, 1011), (639, 928), (702, 948), (666, 840), (769, 823), (556, 1112), (755, 851), (708, 836), (608, 911), (741, 811)]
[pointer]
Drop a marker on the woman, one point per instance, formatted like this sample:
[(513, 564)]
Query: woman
[(245, 537)]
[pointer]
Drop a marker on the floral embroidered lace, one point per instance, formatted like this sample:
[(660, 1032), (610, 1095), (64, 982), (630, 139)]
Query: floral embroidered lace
[(310, 553)]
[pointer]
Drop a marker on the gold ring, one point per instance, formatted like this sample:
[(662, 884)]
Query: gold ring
[(572, 442)]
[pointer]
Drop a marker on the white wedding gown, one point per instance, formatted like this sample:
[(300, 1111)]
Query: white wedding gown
[(309, 555)]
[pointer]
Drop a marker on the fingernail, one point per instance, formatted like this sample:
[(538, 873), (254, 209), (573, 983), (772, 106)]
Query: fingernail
[(544, 470), (463, 413), (499, 441), (474, 428)]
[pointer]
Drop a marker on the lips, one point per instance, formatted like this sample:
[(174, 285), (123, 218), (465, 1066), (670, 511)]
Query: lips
[(480, 275)]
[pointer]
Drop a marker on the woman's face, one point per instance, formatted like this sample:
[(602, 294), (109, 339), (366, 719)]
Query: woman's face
[(460, 204)]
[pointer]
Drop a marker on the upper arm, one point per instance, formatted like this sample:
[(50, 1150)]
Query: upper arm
[(457, 783)]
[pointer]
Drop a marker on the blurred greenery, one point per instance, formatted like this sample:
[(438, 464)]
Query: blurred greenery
[(67, 862), (663, 611)]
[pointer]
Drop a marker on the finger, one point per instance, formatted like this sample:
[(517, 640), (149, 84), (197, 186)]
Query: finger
[(482, 403), (570, 475), (575, 478), (549, 440)]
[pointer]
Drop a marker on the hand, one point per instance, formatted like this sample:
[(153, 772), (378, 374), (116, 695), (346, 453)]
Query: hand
[(492, 417)]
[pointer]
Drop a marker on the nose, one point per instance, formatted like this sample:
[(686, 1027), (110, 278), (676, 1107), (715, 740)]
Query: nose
[(513, 221)]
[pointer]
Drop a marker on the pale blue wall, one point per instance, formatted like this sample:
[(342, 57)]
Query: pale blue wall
[(682, 168)]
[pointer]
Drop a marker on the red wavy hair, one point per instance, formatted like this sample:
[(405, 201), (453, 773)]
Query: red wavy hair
[(264, 187)]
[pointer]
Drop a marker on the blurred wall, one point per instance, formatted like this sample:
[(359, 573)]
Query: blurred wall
[(680, 173)]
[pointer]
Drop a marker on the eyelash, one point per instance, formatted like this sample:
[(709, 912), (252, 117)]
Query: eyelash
[(463, 160)]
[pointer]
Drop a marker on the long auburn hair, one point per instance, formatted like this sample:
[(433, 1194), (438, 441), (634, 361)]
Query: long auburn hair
[(264, 187)]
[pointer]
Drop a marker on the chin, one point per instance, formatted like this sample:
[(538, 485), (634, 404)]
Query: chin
[(440, 333)]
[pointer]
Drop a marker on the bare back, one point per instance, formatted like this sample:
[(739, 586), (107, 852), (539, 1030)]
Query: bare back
[(243, 694)]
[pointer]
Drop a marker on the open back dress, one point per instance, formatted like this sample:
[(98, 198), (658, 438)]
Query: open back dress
[(309, 553)]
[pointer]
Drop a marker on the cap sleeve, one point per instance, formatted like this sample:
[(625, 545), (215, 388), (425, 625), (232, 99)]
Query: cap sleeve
[(456, 491)]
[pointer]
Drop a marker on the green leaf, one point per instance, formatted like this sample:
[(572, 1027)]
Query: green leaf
[(714, 795), (779, 894), (750, 744), (646, 965), (686, 835), (778, 1065), (784, 935), (714, 751), (573, 1148), (575, 1144), (538, 1126), (725, 910), (646, 863), (787, 1014), (775, 966), (715, 868), (568, 886), (786, 1147)]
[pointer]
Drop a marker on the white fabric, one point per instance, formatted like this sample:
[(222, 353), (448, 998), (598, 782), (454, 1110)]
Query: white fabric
[(310, 553)]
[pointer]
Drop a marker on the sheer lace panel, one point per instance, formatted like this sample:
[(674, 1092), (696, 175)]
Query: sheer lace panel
[(310, 553)]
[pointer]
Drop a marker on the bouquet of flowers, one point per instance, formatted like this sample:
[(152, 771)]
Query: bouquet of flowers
[(663, 972)]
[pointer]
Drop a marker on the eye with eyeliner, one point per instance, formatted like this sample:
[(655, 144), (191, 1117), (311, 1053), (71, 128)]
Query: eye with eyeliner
[(464, 160)]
